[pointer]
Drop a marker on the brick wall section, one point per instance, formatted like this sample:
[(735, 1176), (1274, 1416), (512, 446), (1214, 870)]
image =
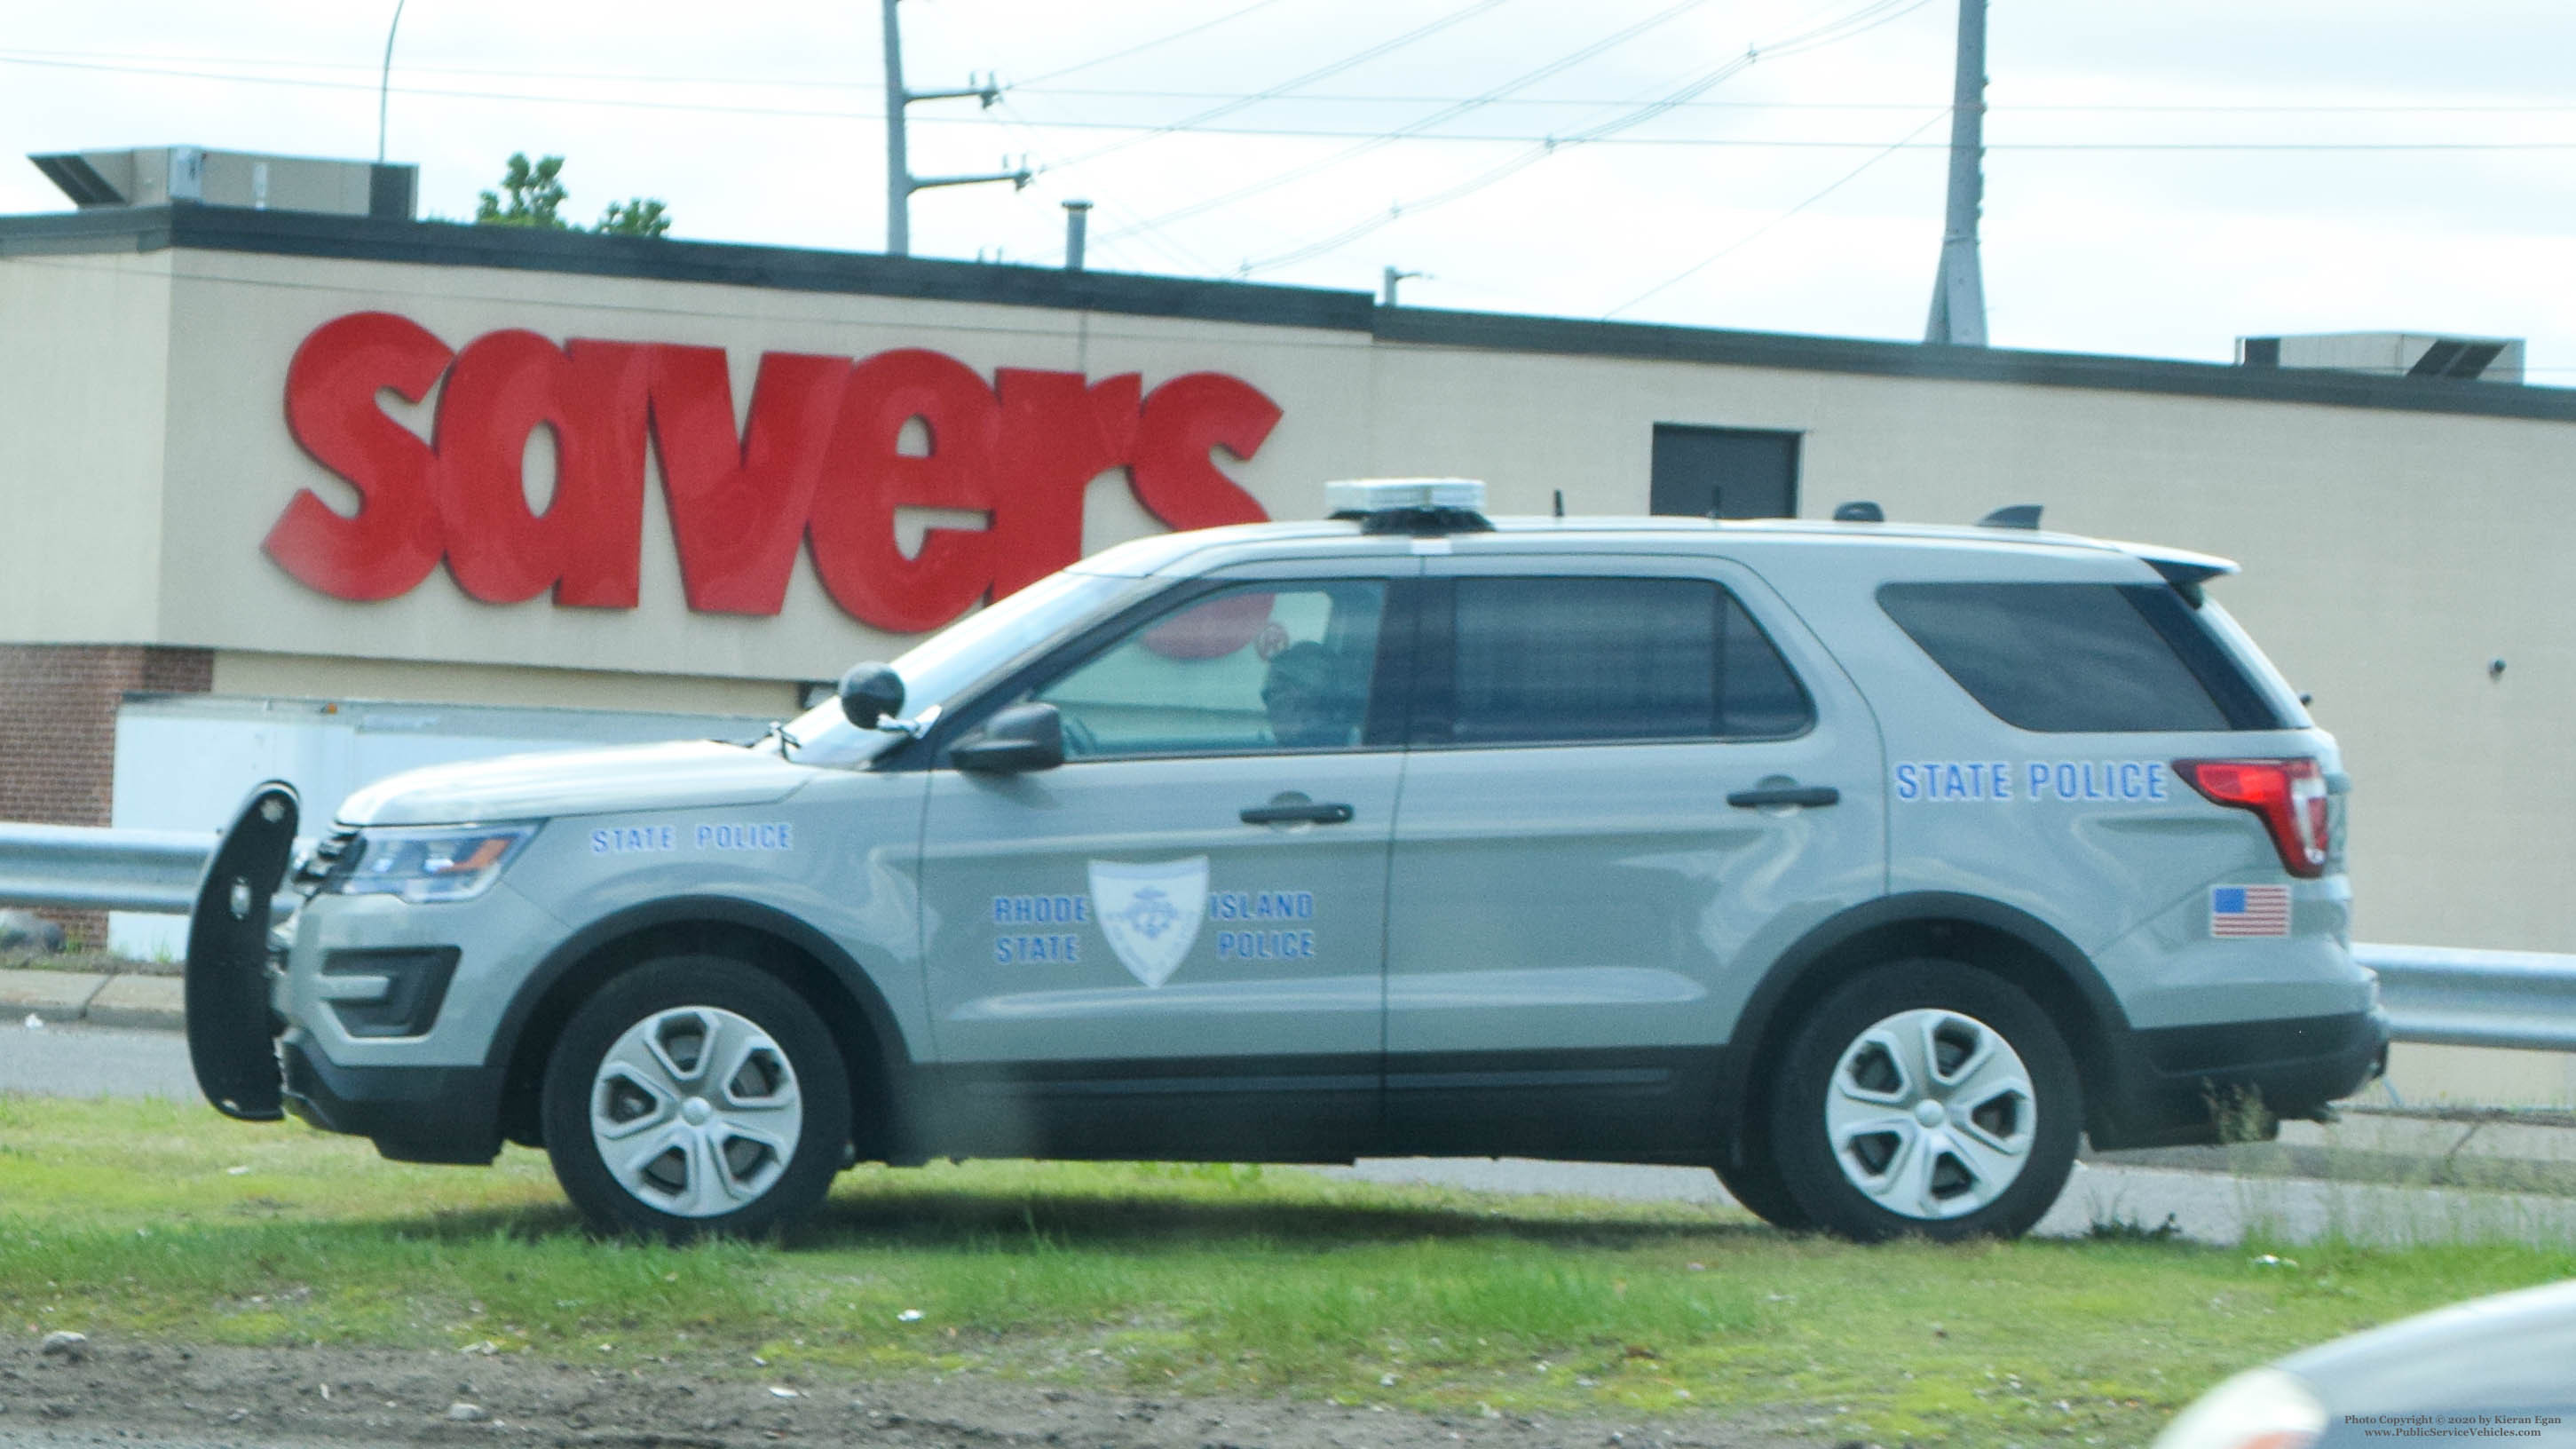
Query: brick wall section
[(58, 731)]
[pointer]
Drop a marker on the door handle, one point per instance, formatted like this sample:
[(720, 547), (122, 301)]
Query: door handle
[(1295, 812), (1808, 795)]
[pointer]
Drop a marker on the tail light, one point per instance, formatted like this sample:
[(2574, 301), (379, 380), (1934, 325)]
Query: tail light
[(2289, 796)]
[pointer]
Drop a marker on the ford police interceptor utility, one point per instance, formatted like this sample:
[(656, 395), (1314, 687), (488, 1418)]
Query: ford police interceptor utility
[(1867, 864)]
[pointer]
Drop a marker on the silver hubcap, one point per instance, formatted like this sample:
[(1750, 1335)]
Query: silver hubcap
[(1930, 1114), (695, 1111)]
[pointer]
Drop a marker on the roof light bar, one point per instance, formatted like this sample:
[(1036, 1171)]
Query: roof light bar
[(1409, 505), (1385, 495)]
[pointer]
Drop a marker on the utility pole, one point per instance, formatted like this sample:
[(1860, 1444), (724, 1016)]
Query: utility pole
[(900, 182), (1959, 291), (385, 81)]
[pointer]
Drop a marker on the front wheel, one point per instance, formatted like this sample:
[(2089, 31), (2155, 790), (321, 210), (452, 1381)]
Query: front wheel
[(1926, 1097), (1750, 1172), (695, 1095)]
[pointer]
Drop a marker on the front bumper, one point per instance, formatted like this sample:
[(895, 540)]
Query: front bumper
[(2192, 1085), (414, 1114)]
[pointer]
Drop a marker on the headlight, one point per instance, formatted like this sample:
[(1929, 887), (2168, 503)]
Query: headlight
[(440, 863), (2261, 1409)]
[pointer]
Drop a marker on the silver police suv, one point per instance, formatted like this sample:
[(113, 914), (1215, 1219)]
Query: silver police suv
[(1867, 864)]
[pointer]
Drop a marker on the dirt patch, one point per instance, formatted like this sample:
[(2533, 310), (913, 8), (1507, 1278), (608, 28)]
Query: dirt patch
[(394, 1397)]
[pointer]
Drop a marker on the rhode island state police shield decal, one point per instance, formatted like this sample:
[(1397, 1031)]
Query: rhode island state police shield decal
[(1150, 913)]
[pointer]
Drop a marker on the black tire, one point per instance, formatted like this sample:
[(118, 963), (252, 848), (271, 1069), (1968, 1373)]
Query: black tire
[(1750, 1173), (755, 1152), (1995, 1158)]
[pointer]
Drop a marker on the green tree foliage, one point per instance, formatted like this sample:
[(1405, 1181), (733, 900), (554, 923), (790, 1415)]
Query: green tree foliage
[(532, 194), (643, 216)]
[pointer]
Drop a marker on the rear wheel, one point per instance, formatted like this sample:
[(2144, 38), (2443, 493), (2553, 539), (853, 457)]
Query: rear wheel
[(695, 1095), (1926, 1097)]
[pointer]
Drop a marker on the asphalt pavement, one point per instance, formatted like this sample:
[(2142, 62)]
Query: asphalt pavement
[(2209, 1207), (58, 1060)]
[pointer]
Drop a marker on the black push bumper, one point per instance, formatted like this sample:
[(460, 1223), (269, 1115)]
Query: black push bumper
[(2189, 1085), (414, 1114)]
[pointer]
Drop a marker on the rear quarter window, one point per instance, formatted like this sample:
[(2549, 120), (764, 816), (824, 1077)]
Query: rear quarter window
[(1589, 660), (2081, 658)]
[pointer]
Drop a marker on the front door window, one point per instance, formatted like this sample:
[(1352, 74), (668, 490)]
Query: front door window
[(1251, 670)]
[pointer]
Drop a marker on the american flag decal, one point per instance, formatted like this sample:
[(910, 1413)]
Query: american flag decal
[(2249, 910)]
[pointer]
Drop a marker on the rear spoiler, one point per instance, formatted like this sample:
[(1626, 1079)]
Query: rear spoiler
[(2183, 569)]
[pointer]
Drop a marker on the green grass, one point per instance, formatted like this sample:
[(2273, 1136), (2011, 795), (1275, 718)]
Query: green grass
[(130, 1219), (84, 960)]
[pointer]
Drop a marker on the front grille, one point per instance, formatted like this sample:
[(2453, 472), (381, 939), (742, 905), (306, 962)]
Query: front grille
[(331, 860)]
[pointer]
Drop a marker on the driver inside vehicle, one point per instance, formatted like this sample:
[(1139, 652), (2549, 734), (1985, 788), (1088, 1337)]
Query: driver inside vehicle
[(1309, 710)]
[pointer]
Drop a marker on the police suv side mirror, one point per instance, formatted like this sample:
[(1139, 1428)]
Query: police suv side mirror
[(871, 692), (1021, 738)]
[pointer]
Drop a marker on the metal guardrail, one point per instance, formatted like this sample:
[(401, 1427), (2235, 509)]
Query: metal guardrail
[(72, 868), (2444, 997), (2434, 994)]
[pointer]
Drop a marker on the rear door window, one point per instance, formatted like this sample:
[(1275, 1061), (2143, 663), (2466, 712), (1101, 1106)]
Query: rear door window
[(2080, 658), (1586, 660)]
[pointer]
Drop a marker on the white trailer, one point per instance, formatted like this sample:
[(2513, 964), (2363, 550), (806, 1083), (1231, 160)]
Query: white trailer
[(185, 761)]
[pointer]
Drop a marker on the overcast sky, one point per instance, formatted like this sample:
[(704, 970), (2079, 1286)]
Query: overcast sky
[(2164, 177)]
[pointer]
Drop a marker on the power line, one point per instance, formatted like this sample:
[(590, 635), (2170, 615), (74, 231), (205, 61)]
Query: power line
[(1525, 138), (1151, 44), (1857, 22), (1158, 93), (1547, 145), (1466, 12), (299, 83), (805, 113), (1448, 113), (1349, 98), (1749, 237), (1036, 86)]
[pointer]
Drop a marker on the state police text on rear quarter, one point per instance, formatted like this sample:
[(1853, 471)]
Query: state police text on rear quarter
[(1943, 782)]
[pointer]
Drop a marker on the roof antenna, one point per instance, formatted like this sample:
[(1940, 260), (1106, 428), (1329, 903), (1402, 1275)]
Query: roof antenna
[(1560, 503)]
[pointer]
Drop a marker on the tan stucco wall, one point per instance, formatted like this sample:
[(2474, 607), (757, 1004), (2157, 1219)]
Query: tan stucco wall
[(2389, 554), (238, 318), (316, 676), (83, 376)]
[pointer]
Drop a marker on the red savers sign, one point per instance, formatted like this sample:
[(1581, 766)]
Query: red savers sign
[(817, 462)]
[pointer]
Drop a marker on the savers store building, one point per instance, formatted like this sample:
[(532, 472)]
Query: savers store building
[(264, 456)]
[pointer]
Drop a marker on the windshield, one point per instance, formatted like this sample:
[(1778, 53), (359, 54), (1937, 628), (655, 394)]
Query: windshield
[(954, 659)]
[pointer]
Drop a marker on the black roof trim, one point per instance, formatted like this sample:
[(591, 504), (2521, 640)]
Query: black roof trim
[(1787, 350), (281, 233), (445, 244)]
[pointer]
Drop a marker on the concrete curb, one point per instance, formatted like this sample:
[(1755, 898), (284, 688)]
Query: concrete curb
[(142, 1003)]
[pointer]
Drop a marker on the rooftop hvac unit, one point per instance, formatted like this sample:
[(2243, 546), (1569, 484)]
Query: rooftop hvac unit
[(195, 176), (2390, 354)]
